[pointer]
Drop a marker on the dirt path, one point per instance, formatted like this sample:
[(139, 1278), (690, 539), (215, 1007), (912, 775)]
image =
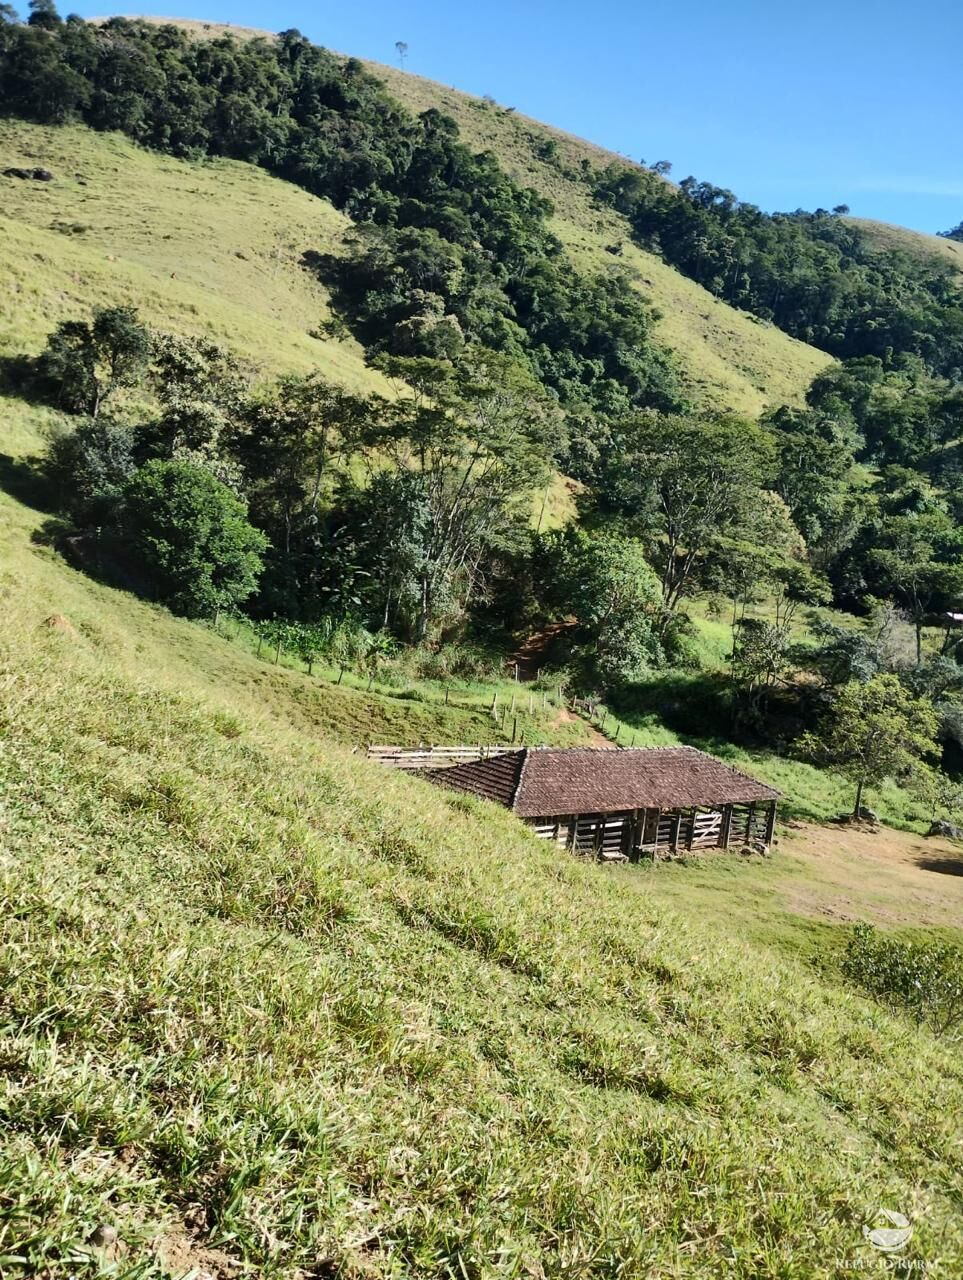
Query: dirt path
[(531, 655), (595, 739)]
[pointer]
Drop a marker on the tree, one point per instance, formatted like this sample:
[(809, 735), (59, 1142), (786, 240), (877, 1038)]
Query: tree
[(474, 442), (605, 581), (874, 731), (43, 14), (84, 362), (919, 553), (89, 468), (402, 48), (685, 485), (190, 537)]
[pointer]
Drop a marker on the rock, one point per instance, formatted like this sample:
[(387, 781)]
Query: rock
[(945, 829), (867, 815), (57, 622), (103, 1236), (38, 175)]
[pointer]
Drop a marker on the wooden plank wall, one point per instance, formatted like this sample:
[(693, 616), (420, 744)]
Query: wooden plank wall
[(432, 757)]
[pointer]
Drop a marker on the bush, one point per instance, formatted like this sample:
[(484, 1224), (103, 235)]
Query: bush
[(922, 978), (190, 537), (89, 467)]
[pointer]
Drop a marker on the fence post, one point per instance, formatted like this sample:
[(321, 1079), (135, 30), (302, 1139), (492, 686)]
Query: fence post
[(494, 701), (514, 728), (513, 703)]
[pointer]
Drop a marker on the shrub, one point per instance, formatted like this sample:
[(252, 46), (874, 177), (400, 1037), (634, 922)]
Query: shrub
[(88, 468), (189, 535), (923, 978)]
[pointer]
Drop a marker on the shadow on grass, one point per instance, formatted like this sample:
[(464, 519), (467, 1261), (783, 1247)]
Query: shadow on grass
[(23, 479), (948, 866)]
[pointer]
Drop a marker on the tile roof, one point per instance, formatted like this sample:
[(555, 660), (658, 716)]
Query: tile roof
[(547, 782)]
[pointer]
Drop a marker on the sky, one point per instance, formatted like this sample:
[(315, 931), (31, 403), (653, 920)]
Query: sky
[(789, 105)]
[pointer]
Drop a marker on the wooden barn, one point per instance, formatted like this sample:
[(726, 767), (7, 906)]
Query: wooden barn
[(622, 804)]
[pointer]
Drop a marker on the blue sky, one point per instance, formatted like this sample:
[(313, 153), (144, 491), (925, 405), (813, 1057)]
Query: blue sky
[(789, 105)]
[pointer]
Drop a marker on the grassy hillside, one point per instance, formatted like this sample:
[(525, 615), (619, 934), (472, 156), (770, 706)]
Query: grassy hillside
[(264, 1003), (211, 247), (267, 1009), (917, 243), (727, 356)]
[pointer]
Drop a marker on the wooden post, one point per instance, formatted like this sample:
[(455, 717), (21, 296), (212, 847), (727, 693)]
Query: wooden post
[(675, 831), (512, 707), (494, 701), (516, 672), (688, 843), (531, 704), (514, 728), (724, 827), (618, 730), (750, 818), (771, 822)]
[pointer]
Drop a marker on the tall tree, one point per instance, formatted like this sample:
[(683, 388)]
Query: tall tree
[(475, 440), (190, 538), (685, 485), (84, 362), (874, 731)]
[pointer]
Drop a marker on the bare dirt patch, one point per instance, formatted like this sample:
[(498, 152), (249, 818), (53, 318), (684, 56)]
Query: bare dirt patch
[(182, 1255), (894, 877), (595, 739)]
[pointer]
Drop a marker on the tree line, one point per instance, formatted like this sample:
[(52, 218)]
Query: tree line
[(449, 251), (816, 275)]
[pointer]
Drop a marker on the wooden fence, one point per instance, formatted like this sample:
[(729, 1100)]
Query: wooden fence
[(425, 757)]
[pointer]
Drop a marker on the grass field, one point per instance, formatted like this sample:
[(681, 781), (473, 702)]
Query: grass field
[(268, 1009), (210, 248), (887, 236)]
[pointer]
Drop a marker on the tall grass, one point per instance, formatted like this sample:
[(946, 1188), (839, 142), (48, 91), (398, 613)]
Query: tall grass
[(338, 1022)]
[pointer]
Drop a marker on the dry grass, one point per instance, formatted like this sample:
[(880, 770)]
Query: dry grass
[(886, 236), (210, 248)]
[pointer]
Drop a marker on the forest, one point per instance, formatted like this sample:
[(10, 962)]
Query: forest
[(367, 524)]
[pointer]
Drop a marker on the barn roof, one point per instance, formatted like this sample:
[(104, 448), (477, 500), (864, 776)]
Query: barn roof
[(549, 782)]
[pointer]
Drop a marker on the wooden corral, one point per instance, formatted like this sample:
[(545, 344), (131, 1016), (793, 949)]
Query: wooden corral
[(615, 805)]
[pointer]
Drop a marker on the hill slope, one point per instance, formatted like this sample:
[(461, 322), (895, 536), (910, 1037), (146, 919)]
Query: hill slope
[(263, 1002), (208, 247), (728, 358)]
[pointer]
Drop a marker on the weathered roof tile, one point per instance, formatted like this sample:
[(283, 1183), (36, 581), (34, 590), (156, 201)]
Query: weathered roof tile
[(548, 782)]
